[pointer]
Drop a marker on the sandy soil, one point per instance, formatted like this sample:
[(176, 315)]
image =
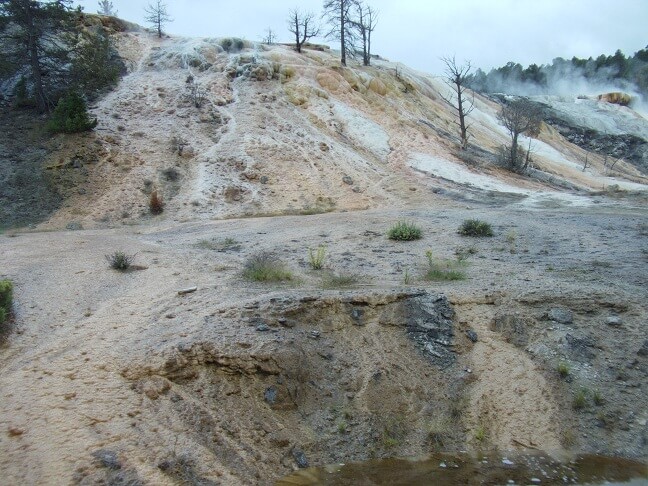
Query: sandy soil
[(84, 369)]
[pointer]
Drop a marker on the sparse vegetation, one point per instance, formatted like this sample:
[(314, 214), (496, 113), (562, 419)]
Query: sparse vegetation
[(580, 399), (404, 231), (476, 228), (316, 257), (266, 267), (563, 369), (568, 438), (119, 260), (226, 244), (6, 299), (339, 280), (156, 204), (463, 252), (480, 433), (442, 270), (597, 397)]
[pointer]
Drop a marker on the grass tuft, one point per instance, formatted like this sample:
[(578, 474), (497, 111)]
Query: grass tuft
[(339, 280), (563, 369), (476, 228), (266, 267), (120, 261), (316, 257), (404, 231), (442, 270)]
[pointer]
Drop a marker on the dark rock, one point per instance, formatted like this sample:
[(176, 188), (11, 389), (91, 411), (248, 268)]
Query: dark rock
[(107, 458), (581, 347), (472, 335), (429, 324), (263, 179), (356, 315), (347, 180), (74, 226), (643, 350), (300, 458), (562, 316), (514, 328)]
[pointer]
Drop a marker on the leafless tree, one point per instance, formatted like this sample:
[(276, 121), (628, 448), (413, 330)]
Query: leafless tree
[(106, 7), (519, 117), (586, 163), (270, 37), (157, 14), (302, 26), (365, 23), (338, 14), (455, 77)]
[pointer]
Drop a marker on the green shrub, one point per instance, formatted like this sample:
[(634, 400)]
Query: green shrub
[(232, 44), (71, 115), (404, 231), (316, 257), (6, 299), (475, 227), (266, 267), (21, 94), (120, 260)]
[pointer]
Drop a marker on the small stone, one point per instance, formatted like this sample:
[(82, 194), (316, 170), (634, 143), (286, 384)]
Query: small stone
[(472, 335), (187, 290), (507, 462), (262, 328), (300, 458), (562, 316), (347, 180), (443, 465), (263, 179), (270, 395), (614, 321), (535, 480)]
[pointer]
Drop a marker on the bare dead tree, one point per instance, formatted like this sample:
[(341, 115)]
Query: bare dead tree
[(338, 14), (519, 117), (106, 7), (157, 15), (270, 37), (365, 23), (302, 26), (586, 164), (455, 77)]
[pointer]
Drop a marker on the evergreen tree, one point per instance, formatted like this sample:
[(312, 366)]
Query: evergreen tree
[(33, 34)]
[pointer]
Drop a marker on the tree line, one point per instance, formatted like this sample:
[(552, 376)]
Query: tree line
[(54, 57), (617, 70)]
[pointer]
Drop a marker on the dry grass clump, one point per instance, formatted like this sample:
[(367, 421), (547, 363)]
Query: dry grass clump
[(266, 267)]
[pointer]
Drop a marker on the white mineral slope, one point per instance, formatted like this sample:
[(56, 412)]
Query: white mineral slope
[(280, 132)]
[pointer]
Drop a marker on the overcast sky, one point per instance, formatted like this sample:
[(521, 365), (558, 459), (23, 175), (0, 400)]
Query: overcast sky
[(417, 32)]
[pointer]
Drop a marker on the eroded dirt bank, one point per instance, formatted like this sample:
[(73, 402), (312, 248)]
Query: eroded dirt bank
[(109, 376)]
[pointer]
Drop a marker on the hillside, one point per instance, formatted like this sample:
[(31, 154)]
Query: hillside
[(280, 133), (182, 371)]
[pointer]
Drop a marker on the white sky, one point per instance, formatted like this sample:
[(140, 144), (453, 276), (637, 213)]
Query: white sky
[(418, 32)]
